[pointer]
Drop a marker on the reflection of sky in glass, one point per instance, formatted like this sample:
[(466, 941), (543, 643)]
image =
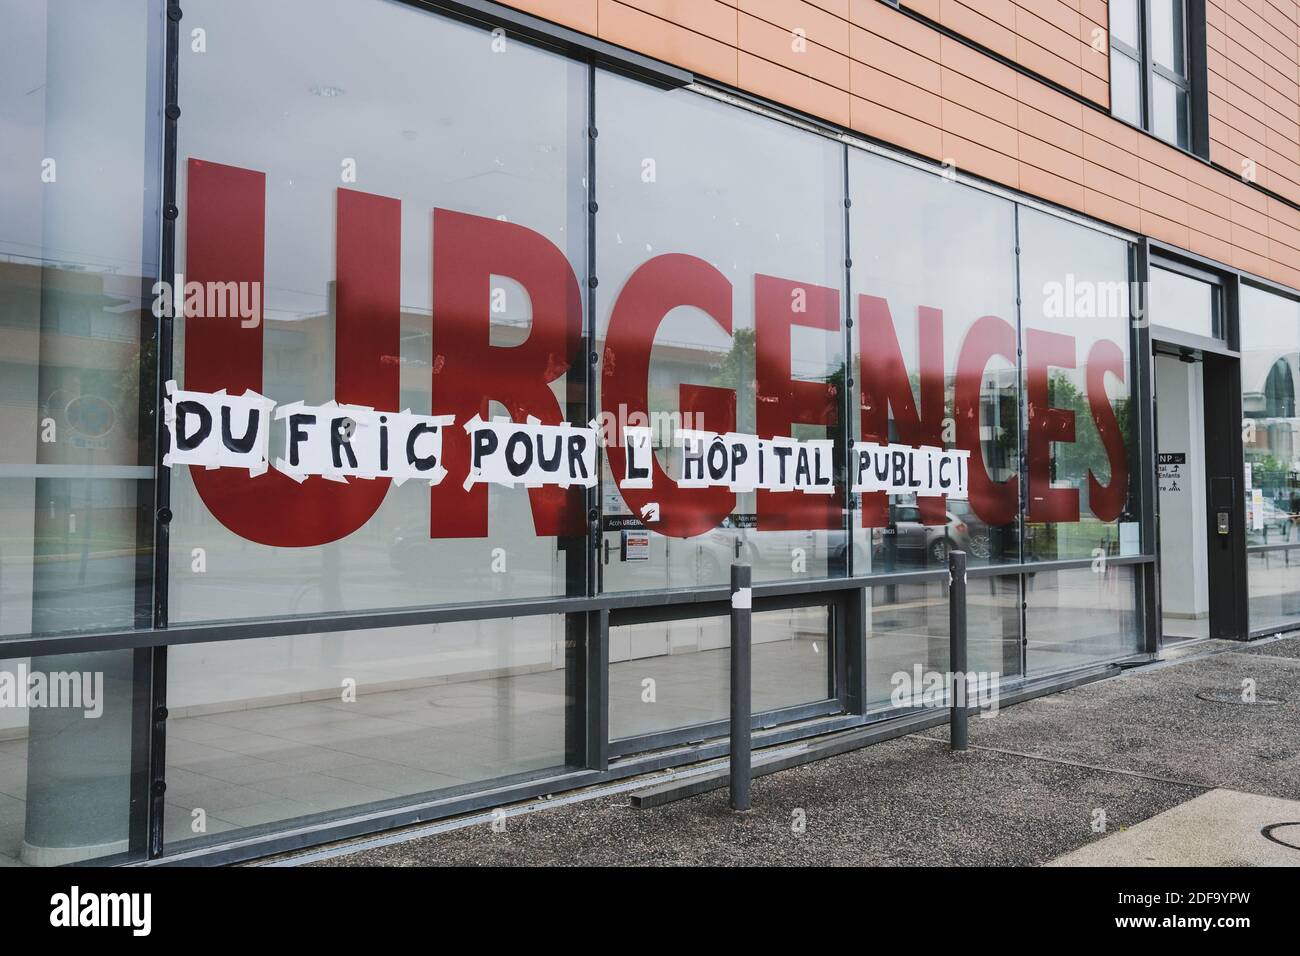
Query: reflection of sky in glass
[(1270, 330), (1075, 281), (1181, 302), (1057, 254), (73, 82), (920, 240), (682, 173), (428, 111)]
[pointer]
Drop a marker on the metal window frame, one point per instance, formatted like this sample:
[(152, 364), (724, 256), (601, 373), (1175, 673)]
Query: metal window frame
[(1217, 341), (592, 755), (1192, 85)]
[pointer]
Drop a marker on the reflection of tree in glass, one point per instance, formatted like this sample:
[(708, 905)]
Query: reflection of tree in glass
[(736, 371), (1071, 461)]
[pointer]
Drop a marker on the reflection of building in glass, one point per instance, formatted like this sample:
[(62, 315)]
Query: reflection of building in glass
[(71, 376), (1268, 399)]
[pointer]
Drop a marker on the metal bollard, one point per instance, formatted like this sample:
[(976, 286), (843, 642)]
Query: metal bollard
[(742, 601), (960, 710)]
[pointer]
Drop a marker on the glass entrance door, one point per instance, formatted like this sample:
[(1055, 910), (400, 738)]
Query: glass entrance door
[(1181, 473)]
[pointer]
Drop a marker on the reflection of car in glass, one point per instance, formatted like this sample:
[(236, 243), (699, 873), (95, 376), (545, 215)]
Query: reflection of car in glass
[(732, 542), (977, 531), (1279, 527), (910, 537)]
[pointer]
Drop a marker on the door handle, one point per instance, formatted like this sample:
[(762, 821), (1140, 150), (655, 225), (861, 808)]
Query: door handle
[(1224, 522)]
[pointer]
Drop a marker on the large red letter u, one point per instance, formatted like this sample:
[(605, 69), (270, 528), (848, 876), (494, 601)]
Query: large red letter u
[(225, 241)]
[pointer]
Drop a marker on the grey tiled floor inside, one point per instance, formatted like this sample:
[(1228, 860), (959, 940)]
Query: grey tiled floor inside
[(263, 765)]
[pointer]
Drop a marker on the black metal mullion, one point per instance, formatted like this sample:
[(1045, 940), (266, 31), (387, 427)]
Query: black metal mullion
[(1230, 301), (1143, 394), (850, 647), (1198, 75), (596, 704), (596, 629), (1022, 433), (157, 666), (1148, 89)]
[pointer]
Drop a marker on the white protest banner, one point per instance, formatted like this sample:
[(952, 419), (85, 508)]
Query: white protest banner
[(217, 430), (639, 443), (744, 463), (532, 454), (904, 469), (339, 442)]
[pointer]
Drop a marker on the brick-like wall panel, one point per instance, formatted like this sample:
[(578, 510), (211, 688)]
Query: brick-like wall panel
[(864, 65), (1254, 90)]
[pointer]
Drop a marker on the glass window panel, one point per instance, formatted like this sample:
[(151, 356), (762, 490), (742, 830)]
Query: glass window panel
[(1273, 578), (666, 675), (393, 103), (949, 248), (907, 635), (1169, 112), (1181, 302), (79, 83), (66, 759), (1270, 365), (270, 730), (1076, 337), (1124, 22), (1080, 617), (1168, 48), (1125, 88), (80, 144), (694, 237)]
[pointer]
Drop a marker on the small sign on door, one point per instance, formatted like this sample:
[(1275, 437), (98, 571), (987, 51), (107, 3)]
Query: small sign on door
[(636, 545)]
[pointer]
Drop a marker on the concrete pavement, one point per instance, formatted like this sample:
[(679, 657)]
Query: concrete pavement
[(1186, 762)]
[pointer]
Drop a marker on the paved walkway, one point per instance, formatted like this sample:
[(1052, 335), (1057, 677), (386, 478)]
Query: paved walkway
[(1178, 767)]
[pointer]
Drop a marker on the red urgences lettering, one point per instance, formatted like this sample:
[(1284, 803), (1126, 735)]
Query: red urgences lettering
[(225, 243)]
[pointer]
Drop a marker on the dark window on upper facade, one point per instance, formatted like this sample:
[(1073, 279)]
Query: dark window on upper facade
[(1157, 69)]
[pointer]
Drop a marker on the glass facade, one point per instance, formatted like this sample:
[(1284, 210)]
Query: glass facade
[(1270, 362), (936, 296), (1076, 326), (908, 636), (719, 308), (1078, 617), (78, 256), (673, 675), (507, 234), (321, 723), (342, 211), (80, 215)]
